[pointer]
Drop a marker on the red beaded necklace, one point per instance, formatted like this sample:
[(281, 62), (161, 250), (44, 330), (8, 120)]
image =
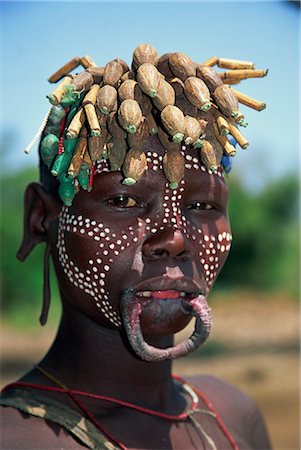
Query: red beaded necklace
[(194, 393)]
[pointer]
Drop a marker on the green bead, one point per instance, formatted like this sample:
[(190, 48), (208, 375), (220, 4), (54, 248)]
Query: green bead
[(69, 99), (61, 164), (57, 114), (69, 145), (83, 178), (49, 148), (53, 129), (74, 109), (67, 193)]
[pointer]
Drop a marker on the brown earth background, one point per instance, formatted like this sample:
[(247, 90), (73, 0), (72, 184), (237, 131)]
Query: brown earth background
[(254, 345)]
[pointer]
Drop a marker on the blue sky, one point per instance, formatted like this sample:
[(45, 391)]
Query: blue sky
[(39, 37)]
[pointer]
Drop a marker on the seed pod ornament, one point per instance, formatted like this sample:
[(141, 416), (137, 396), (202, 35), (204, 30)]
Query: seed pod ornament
[(144, 53), (114, 128), (97, 73), (208, 156), (174, 167), (192, 131), (83, 81), (106, 99), (113, 71), (167, 142), (228, 103), (165, 95), (130, 89), (137, 140), (148, 79), (197, 93), (134, 166), (164, 67), (174, 123), (152, 124), (181, 100), (182, 66), (130, 115), (209, 76), (116, 153)]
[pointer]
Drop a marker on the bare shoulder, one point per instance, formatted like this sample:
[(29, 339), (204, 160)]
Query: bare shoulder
[(23, 431), (238, 411)]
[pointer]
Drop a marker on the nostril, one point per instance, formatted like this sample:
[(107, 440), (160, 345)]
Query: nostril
[(160, 253)]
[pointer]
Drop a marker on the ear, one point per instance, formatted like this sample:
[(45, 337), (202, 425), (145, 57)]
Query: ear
[(40, 209)]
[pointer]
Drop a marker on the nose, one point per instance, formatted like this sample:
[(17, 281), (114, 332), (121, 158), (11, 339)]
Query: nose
[(169, 243)]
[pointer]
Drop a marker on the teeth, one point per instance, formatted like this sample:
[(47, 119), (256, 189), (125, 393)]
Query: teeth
[(145, 294)]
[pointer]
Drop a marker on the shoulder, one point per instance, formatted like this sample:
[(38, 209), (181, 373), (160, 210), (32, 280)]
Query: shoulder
[(20, 430), (238, 411)]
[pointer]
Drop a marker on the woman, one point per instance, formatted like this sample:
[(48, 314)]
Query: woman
[(132, 206)]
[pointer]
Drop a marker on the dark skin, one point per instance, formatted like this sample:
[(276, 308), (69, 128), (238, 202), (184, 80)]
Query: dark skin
[(91, 354)]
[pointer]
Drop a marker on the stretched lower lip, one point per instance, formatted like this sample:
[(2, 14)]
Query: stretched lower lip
[(132, 305)]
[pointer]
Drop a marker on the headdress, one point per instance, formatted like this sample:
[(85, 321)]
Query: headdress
[(109, 112)]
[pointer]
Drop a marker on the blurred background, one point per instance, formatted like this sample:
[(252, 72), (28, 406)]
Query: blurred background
[(255, 339)]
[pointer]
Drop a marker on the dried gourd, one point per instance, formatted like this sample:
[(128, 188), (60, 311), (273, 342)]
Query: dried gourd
[(182, 66), (193, 130), (144, 53), (197, 93), (130, 115), (165, 95), (113, 71), (124, 65), (208, 156), (106, 99), (174, 168), (138, 140), (114, 128), (152, 124), (167, 142), (134, 166), (148, 79), (97, 73), (228, 103), (209, 76), (173, 121), (116, 153), (83, 81), (163, 66)]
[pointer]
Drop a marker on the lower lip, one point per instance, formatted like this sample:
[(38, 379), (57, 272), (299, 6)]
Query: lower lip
[(165, 294)]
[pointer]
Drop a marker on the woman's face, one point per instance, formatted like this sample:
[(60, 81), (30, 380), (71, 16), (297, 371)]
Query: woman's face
[(162, 245)]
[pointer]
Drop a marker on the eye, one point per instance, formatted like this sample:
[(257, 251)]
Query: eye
[(200, 206), (123, 201)]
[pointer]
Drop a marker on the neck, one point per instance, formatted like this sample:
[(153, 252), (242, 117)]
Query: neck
[(88, 357)]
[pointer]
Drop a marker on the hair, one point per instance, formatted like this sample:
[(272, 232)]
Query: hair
[(109, 112)]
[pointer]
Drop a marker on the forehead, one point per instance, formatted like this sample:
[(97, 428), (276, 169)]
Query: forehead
[(195, 175)]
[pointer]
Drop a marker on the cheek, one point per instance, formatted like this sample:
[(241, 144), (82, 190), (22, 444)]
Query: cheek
[(87, 250)]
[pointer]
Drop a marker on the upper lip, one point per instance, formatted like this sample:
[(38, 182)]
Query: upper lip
[(169, 284)]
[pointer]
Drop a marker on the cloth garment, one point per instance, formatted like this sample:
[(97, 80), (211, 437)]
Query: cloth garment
[(39, 405)]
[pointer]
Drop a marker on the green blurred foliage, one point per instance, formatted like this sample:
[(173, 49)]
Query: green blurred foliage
[(265, 227), (264, 255)]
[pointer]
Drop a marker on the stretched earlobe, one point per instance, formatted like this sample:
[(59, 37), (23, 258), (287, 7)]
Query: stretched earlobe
[(40, 208)]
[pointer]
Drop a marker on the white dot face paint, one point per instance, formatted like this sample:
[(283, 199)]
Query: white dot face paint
[(106, 243)]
